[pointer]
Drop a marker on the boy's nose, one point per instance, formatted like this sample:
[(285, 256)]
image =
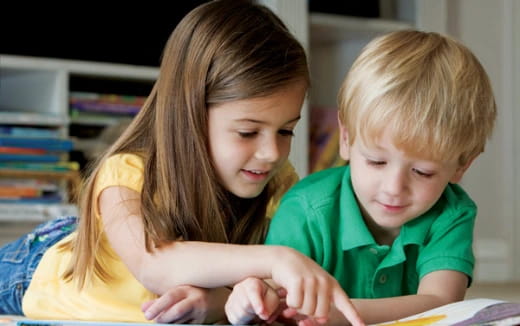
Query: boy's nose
[(395, 182)]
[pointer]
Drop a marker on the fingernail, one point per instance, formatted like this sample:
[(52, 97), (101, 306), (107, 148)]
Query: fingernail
[(321, 320)]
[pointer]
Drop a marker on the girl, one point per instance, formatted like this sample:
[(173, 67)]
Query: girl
[(170, 207)]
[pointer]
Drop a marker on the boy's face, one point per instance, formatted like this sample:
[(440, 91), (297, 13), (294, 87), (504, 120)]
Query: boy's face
[(250, 139), (391, 187)]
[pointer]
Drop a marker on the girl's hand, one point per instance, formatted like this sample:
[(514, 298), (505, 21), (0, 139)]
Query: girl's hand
[(310, 289), (187, 304), (251, 299)]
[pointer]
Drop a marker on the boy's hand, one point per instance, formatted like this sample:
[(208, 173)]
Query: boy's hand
[(187, 304), (250, 299), (311, 290)]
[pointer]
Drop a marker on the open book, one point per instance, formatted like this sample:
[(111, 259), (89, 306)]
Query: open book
[(474, 312), (471, 312)]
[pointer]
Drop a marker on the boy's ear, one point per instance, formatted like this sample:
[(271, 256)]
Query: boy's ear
[(461, 170), (344, 147)]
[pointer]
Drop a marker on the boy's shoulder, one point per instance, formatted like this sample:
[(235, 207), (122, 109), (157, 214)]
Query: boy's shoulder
[(455, 197), (321, 183)]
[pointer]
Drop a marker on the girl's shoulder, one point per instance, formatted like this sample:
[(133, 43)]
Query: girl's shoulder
[(122, 169), (122, 160)]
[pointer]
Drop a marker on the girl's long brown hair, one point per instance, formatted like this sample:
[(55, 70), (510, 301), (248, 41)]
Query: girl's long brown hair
[(224, 50)]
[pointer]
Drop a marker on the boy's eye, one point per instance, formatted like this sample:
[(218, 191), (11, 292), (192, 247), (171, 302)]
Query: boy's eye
[(376, 163), (247, 134), (422, 173), (286, 132)]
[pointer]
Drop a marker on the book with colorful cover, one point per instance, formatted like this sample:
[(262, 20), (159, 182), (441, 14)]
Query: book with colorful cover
[(38, 184), (15, 131), (13, 157), (53, 198), (17, 192), (36, 166), (472, 312), (21, 150), (51, 144), (105, 103)]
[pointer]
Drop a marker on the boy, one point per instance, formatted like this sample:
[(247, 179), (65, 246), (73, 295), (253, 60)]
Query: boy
[(393, 227)]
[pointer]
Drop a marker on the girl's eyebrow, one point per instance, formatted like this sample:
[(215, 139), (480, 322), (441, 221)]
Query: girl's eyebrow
[(263, 122)]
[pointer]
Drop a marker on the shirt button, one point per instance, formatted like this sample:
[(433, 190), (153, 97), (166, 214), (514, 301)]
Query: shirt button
[(383, 278), (373, 250)]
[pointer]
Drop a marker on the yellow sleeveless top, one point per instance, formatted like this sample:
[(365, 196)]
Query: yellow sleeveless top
[(51, 297)]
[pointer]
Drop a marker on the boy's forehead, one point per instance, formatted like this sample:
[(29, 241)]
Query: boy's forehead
[(418, 149)]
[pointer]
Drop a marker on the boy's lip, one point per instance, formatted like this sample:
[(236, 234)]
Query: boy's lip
[(392, 207)]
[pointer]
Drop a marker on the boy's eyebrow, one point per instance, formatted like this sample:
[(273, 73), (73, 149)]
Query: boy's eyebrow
[(263, 122)]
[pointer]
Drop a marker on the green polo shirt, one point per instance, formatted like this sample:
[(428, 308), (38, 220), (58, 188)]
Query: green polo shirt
[(320, 217)]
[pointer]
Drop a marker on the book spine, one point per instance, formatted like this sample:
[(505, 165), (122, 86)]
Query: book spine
[(38, 212), (28, 132), (47, 158), (52, 144), (20, 150), (57, 167), (46, 199), (18, 192)]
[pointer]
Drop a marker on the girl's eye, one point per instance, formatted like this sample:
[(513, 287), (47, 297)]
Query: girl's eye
[(286, 132), (247, 134), (423, 174)]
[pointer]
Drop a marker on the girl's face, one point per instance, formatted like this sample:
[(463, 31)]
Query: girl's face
[(250, 139)]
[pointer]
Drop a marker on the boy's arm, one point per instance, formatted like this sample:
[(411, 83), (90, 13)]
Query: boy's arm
[(435, 289)]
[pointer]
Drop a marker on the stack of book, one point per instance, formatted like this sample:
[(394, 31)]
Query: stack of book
[(103, 108), (33, 169)]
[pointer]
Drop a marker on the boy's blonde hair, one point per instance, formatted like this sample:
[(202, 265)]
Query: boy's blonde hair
[(429, 89)]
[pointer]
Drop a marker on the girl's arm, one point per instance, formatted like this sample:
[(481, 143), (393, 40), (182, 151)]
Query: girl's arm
[(187, 304), (310, 289)]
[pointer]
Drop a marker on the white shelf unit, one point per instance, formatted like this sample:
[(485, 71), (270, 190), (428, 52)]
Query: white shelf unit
[(334, 43), (35, 91)]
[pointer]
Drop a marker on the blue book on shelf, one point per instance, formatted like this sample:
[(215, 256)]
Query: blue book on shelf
[(28, 132), (47, 158), (37, 166), (51, 144)]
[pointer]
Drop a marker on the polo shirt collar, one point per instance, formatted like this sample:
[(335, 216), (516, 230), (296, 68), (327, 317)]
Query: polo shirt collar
[(353, 230)]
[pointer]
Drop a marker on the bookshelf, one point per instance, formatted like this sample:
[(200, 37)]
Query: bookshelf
[(35, 93)]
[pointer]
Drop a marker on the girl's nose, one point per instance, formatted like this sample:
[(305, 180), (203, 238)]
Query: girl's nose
[(268, 150)]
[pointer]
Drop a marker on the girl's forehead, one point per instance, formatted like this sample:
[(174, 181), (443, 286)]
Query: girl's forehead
[(285, 104)]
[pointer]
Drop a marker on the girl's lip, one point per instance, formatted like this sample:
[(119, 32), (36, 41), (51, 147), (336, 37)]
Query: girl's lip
[(256, 175)]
